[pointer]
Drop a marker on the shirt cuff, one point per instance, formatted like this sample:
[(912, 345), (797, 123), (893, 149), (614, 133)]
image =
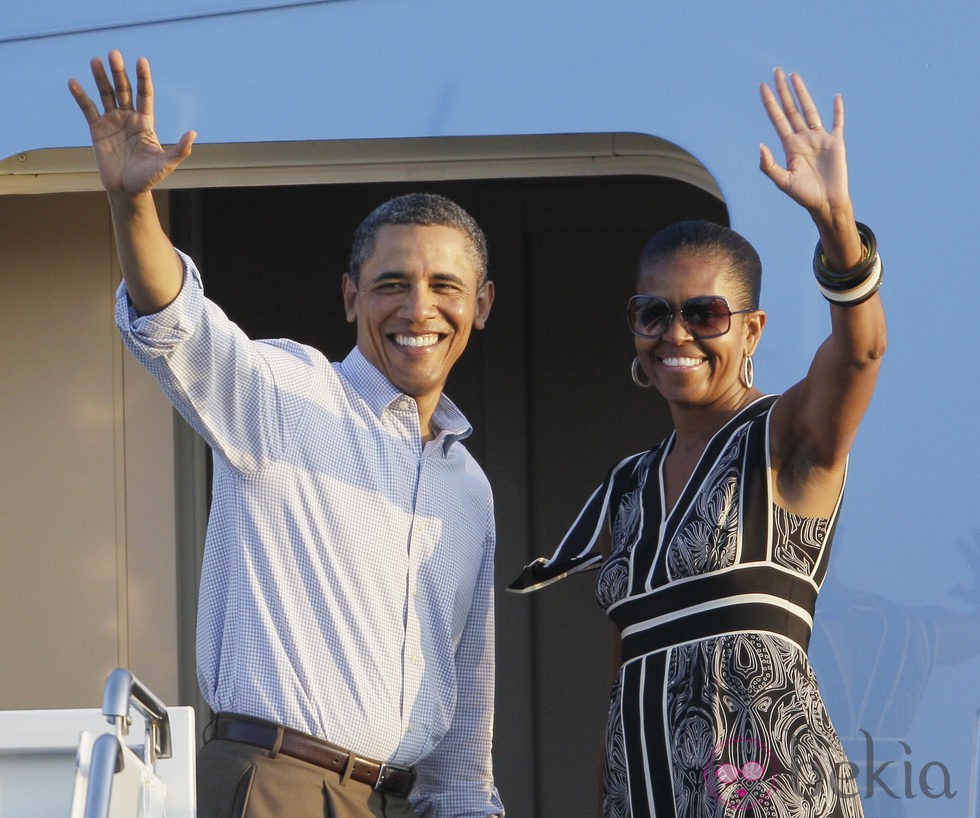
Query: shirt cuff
[(156, 333)]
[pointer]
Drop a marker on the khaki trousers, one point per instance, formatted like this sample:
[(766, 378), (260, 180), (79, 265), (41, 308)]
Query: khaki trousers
[(237, 780)]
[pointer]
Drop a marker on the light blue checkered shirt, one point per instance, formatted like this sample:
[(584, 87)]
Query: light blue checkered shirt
[(347, 587)]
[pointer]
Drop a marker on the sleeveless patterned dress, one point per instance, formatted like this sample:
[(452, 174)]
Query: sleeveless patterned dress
[(715, 710)]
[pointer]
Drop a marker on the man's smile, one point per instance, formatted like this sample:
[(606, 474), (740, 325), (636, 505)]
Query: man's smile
[(427, 340)]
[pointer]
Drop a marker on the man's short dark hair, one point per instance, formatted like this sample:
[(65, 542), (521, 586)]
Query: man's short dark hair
[(427, 209)]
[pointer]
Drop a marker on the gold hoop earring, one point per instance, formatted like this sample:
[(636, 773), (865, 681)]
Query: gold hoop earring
[(635, 372)]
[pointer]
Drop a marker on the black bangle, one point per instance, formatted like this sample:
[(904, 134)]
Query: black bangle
[(851, 287)]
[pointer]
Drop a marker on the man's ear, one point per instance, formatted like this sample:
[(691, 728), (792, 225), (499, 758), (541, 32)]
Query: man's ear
[(484, 301), (349, 288)]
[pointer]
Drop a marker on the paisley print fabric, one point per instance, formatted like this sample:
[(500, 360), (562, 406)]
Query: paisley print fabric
[(709, 537), (798, 540), (715, 710), (615, 787)]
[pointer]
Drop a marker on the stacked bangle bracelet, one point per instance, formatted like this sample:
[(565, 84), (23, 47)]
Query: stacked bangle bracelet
[(851, 287)]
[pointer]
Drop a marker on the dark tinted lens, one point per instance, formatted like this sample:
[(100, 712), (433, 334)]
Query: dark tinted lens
[(649, 315), (707, 316)]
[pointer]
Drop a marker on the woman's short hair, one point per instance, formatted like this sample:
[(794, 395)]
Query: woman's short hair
[(704, 238), (426, 209)]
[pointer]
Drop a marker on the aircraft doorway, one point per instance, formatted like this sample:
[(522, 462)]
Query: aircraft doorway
[(546, 386)]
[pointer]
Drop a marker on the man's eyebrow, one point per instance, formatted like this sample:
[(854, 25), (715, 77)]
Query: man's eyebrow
[(448, 277), (400, 275), (389, 275)]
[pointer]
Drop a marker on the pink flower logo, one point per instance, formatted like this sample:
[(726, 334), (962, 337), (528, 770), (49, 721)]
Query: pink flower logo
[(736, 772)]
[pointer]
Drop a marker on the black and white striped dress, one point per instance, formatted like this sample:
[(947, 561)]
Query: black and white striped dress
[(715, 710)]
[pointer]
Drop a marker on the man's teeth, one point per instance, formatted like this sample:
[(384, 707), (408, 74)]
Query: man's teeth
[(681, 361), (416, 340)]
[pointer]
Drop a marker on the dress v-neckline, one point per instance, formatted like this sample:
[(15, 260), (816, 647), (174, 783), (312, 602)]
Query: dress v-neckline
[(667, 514), (652, 564)]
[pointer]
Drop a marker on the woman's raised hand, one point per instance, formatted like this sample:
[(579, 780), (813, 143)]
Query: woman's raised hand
[(815, 175)]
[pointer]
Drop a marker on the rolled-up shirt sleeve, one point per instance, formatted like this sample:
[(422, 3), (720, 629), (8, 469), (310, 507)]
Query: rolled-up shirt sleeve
[(152, 335)]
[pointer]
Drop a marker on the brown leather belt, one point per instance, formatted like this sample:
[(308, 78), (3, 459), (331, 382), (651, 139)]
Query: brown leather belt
[(375, 774)]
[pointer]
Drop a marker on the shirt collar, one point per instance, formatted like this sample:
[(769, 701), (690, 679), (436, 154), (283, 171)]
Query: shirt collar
[(380, 393)]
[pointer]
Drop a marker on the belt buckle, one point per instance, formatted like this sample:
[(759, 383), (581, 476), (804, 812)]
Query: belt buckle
[(381, 775)]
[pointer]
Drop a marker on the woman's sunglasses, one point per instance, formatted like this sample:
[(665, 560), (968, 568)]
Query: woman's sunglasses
[(706, 316)]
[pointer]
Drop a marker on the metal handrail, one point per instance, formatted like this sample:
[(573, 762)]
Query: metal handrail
[(105, 762), (123, 689), (108, 760)]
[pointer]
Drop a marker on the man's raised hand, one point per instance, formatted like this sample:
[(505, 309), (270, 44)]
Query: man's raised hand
[(130, 158)]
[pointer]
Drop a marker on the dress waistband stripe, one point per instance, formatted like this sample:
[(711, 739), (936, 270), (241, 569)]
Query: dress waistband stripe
[(721, 606), (743, 580), (748, 613)]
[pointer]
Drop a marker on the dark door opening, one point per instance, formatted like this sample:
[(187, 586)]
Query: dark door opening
[(546, 386)]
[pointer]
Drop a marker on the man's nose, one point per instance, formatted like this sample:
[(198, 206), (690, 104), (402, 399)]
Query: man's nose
[(419, 303)]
